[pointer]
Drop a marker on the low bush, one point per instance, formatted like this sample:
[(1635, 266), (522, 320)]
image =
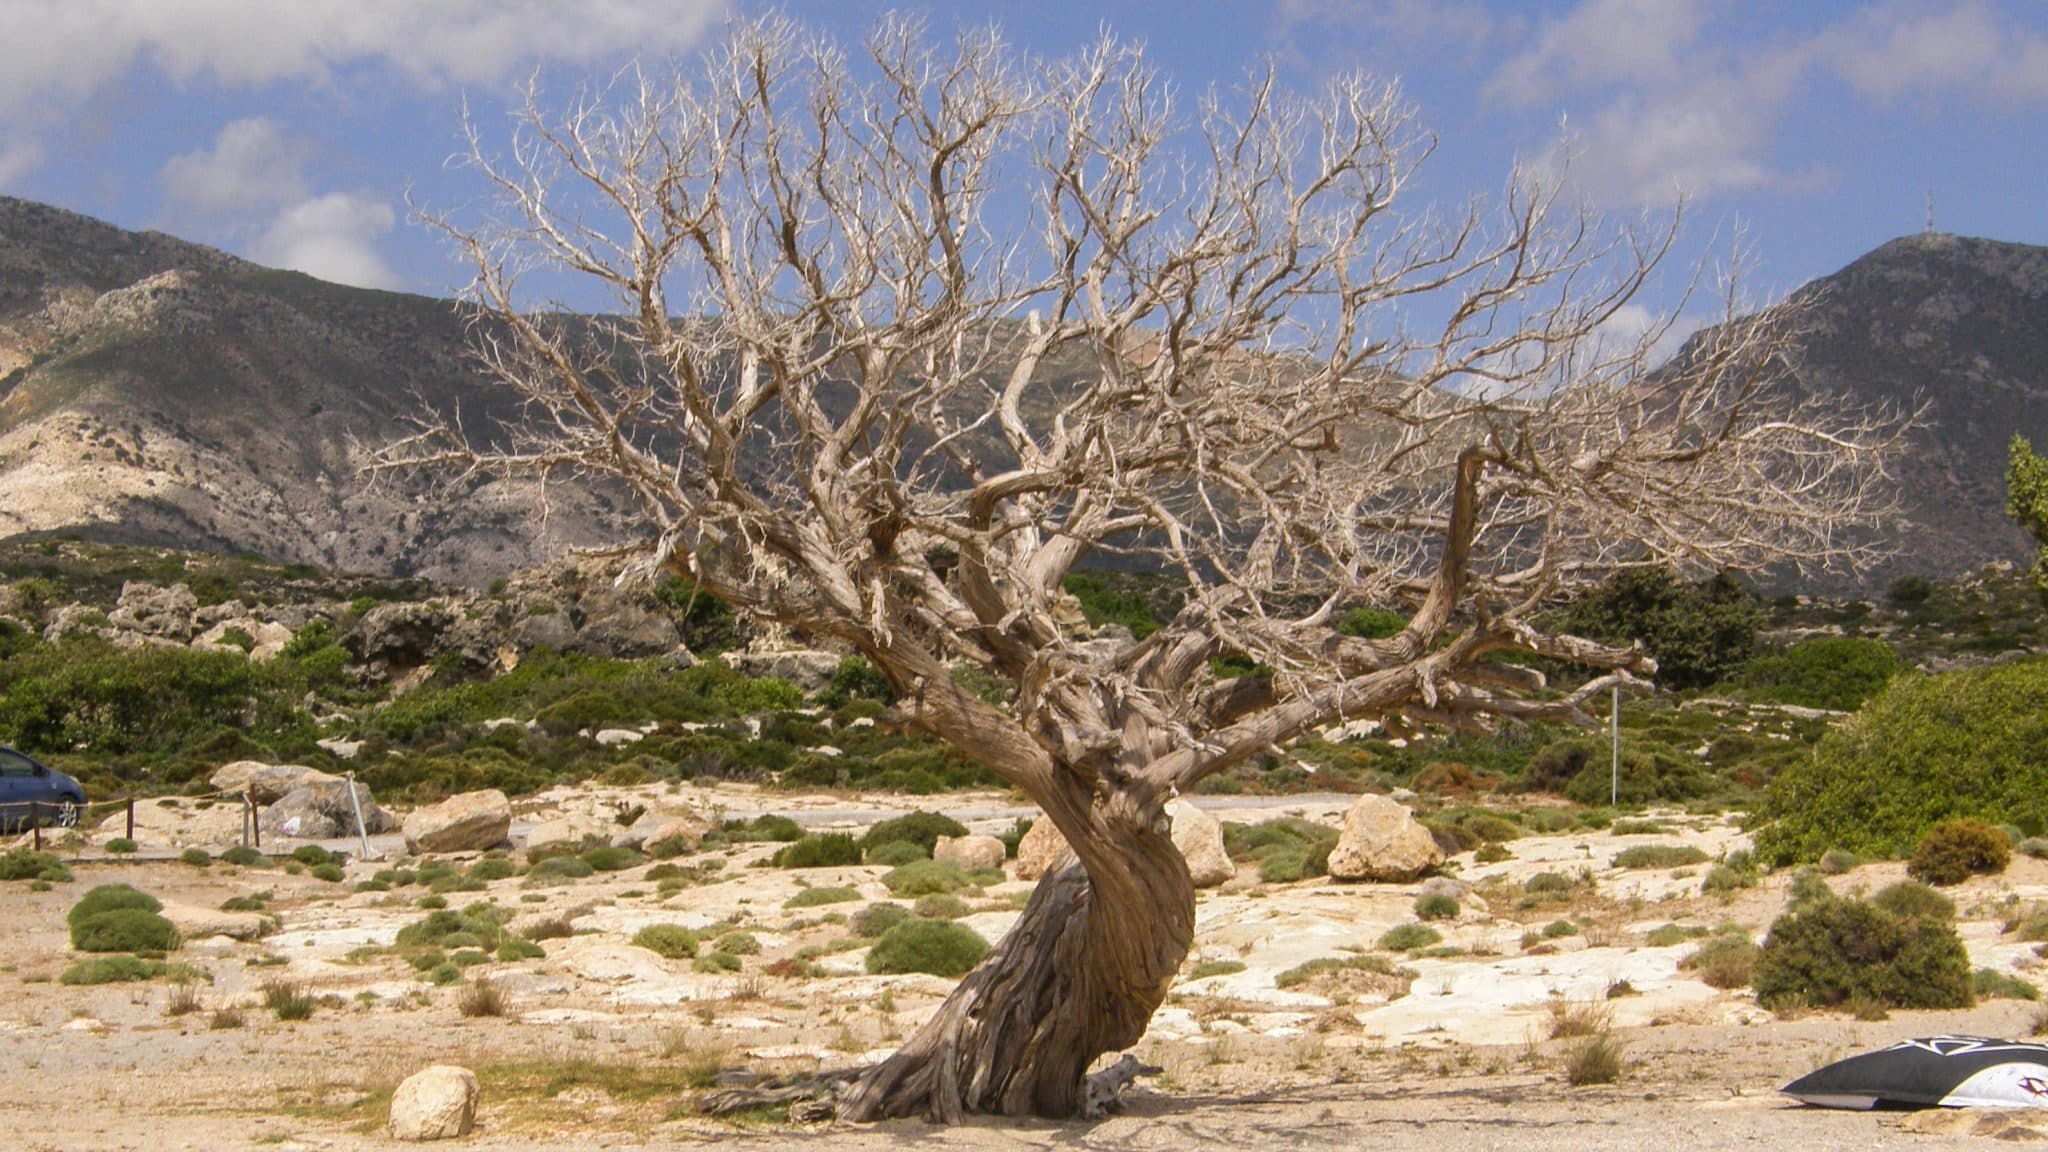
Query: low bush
[(1834, 672), (876, 919), (481, 997), (1436, 906), (111, 970), (1491, 854), (1909, 898), (1285, 850), (1830, 951), (329, 872), (1989, 984), (1955, 850), (1410, 938), (127, 926), (1659, 856), (831, 850), (1738, 870), (29, 864), (121, 846), (925, 877), (738, 944), (715, 963), (611, 858), (1671, 935), (765, 827), (557, 870), (1726, 960), (1959, 745), (1208, 968), (937, 947), (313, 855), (1326, 965), (477, 926), (669, 941), (196, 858), (1597, 1059), (816, 897), (896, 853), (493, 868), (243, 856), (941, 906), (920, 828)]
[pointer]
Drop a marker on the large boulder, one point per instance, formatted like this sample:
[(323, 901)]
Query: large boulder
[(404, 635), (661, 824), (153, 610), (971, 852), (266, 638), (265, 783), (471, 822), (322, 811), (1042, 850), (1199, 836), (1383, 841), (435, 1103)]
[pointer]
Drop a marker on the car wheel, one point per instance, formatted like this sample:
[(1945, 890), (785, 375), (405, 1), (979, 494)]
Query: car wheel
[(67, 813)]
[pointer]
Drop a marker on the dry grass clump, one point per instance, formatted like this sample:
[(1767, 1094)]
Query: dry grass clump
[(481, 997), (1593, 1060)]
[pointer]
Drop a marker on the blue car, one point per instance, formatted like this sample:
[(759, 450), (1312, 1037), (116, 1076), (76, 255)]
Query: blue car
[(24, 781)]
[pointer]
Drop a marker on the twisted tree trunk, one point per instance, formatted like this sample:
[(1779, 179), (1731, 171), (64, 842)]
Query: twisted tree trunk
[(1081, 973)]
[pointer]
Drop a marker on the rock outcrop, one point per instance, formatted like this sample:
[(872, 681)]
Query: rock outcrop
[(1383, 841), (471, 822)]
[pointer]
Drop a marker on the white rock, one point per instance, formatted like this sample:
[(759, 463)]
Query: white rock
[(470, 822), (435, 1103), (610, 737), (1383, 841), (1199, 836), (970, 852)]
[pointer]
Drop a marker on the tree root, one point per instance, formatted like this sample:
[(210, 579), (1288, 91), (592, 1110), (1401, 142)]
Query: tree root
[(815, 1096)]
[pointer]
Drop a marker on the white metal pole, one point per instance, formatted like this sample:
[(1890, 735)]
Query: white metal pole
[(1614, 727)]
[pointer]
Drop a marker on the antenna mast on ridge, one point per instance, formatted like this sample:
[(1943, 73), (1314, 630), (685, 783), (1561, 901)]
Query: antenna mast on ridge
[(1930, 211)]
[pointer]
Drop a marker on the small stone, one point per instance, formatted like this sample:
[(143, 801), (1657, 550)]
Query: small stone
[(970, 852)]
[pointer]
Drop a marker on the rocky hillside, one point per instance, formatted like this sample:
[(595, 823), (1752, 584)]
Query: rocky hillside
[(162, 393), (159, 392), (1961, 324)]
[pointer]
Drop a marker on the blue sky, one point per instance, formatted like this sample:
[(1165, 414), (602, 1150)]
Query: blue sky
[(288, 131)]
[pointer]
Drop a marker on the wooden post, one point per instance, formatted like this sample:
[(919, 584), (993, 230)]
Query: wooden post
[(35, 822), (131, 818), (255, 819)]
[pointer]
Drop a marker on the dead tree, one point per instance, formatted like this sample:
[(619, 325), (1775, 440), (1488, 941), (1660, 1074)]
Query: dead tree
[(902, 335)]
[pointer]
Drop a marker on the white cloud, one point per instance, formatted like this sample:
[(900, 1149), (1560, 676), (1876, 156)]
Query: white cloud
[(56, 53), (1898, 50), (332, 237), (1405, 25), (1602, 42), (254, 163)]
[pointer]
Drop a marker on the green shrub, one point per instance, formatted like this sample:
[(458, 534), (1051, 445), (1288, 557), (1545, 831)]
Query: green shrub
[(243, 856), (715, 963), (1659, 856), (925, 877), (815, 897), (1737, 871), (920, 828), (1547, 884), (477, 926), (1830, 951), (1835, 672), (738, 944), (831, 850), (1596, 1059), (1410, 938), (288, 1000), (493, 868), (1491, 829), (254, 902), (1559, 929), (111, 970), (557, 870), (1208, 968), (941, 906), (878, 918), (329, 872), (1436, 906), (1637, 828), (1699, 633), (1835, 862), (1728, 959), (764, 827), (121, 846), (1955, 850), (670, 941), (107, 898), (611, 858), (1914, 900), (29, 864), (937, 947), (1322, 965), (124, 930), (1966, 744), (313, 855), (1582, 769), (1286, 849), (1670, 935), (1993, 985), (512, 948), (1491, 853), (896, 852)]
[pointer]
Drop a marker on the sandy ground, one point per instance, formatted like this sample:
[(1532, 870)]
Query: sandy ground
[(600, 1035)]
